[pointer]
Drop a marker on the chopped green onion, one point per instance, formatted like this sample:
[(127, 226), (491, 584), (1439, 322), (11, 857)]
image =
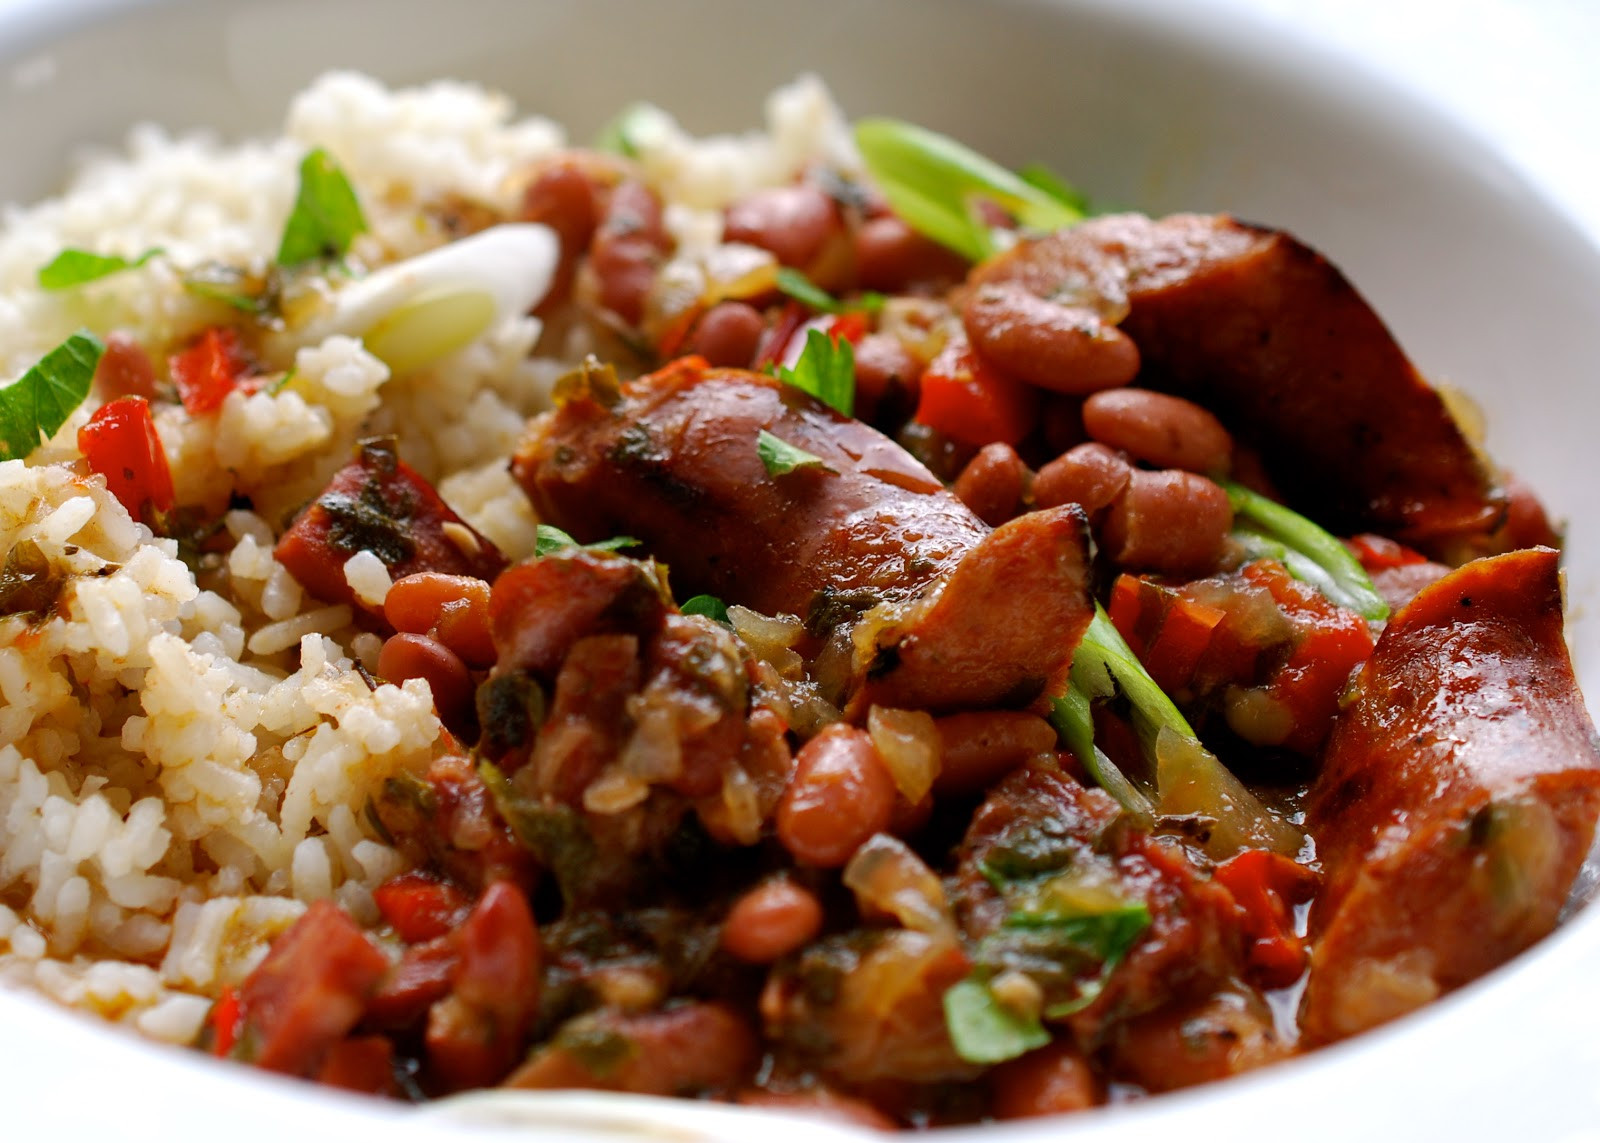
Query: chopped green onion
[(709, 606), (781, 458), (619, 137), (1306, 550), (38, 403), (1040, 176), (935, 183), (826, 369), (550, 539), (984, 1031), (73, 267), (1070, 715), (326, 215), (803, 290)]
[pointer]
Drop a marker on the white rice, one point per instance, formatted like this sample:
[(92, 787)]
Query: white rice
[(183, 769)]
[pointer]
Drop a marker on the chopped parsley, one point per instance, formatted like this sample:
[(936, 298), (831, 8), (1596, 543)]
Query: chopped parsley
[(781, 458), (74, 267), (708, 605), (551, 539), (803, 290), (826, 370), (326, 215), (37, 404)]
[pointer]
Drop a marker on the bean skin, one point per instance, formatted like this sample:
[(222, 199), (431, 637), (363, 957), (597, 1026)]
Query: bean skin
[(1162, 431), (728, 334), (981, 747), (1168, 521), (1090, 475), (993, 482), (795, 223), (892, 257), (770, 921), (1068, 349), (840, 794), (454, 609), (410, 656)]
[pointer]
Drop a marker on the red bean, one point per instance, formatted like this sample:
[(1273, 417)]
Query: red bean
[(125, 370), (1161, 430), (1527, 524), (886, 375), (795, 223), (840, 794), (981, 747), (993, 482), (566, 197), (1168, 521), (892, 257), (628, 248), (772, 920), (728, 334), (454, 609), (410, 656), (1065, 348), (1090, 475), (1055, 1078)]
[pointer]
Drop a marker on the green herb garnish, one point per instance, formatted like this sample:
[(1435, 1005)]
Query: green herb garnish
[(935, 184), (1266, 528), (803, 290), (618, 137), (826, 369), (1040, 176), (781, 458), (984, 1031), (37, 404), (326, 215), (550, 539), (229, 285), (708, 605), (73, 267)]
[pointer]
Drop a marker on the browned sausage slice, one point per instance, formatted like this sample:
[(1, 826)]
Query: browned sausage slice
[(958, 617), (1270, 336), (1457, 800)]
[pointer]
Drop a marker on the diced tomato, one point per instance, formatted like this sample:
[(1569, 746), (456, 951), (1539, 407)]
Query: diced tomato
[(309, 992), (1266, 887), (208, 370), (1168, 631), (420, 907), (380, 504), (968, 400), (1378, 553), (120, 443), (361, 1063), (224, 1021)]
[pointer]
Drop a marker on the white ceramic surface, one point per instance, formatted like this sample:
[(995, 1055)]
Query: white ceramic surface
[(1163, 104)]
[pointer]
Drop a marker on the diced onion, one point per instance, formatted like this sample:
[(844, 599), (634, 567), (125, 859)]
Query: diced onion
[(1193, 782), (909, 744), (886, 876), (770, 638)]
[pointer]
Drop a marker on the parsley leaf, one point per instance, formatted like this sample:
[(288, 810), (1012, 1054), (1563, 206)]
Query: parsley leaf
[(781, 458), (803, 290), (826, 370), (39, 402), (708, 605), (982, 1030), (1267, 528), (326, 216), (551, 539), (74, 267)]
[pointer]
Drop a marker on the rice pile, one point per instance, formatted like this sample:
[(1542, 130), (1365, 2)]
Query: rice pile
[(185, 763)]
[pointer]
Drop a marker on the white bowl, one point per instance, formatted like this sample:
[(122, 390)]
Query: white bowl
[(1160, 104)]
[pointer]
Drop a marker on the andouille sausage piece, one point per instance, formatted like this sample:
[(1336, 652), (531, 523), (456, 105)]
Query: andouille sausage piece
[(1270, 336), (959, 617), (1457, 799)]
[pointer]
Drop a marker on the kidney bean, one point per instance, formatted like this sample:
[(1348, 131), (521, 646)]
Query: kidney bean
[(1053, 1079), (628, 247), (454, 609), (795, 223), (993, 482), (892, 257), (125, 369), (840, 794), (770, 921), (886, 376), (980, 747), (1168, 521), (1061, 422), (566, 197), (1065, 348), (1161, 430), (1090, 475), (728, 334), (686, 1050), (411, 656)]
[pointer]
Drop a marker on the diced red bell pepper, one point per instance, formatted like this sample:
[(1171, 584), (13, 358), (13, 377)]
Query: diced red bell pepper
[(380, 504), (120, 443), (1167, 631), (309, 992), (851, 327), (224, 1020), (208, 370), (1266, 887), (968, 400), (1378, 553), (420, 907)]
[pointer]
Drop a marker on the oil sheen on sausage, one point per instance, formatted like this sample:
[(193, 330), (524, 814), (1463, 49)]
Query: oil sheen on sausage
[(1270, 336), (957, 616), (1457, 799)]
